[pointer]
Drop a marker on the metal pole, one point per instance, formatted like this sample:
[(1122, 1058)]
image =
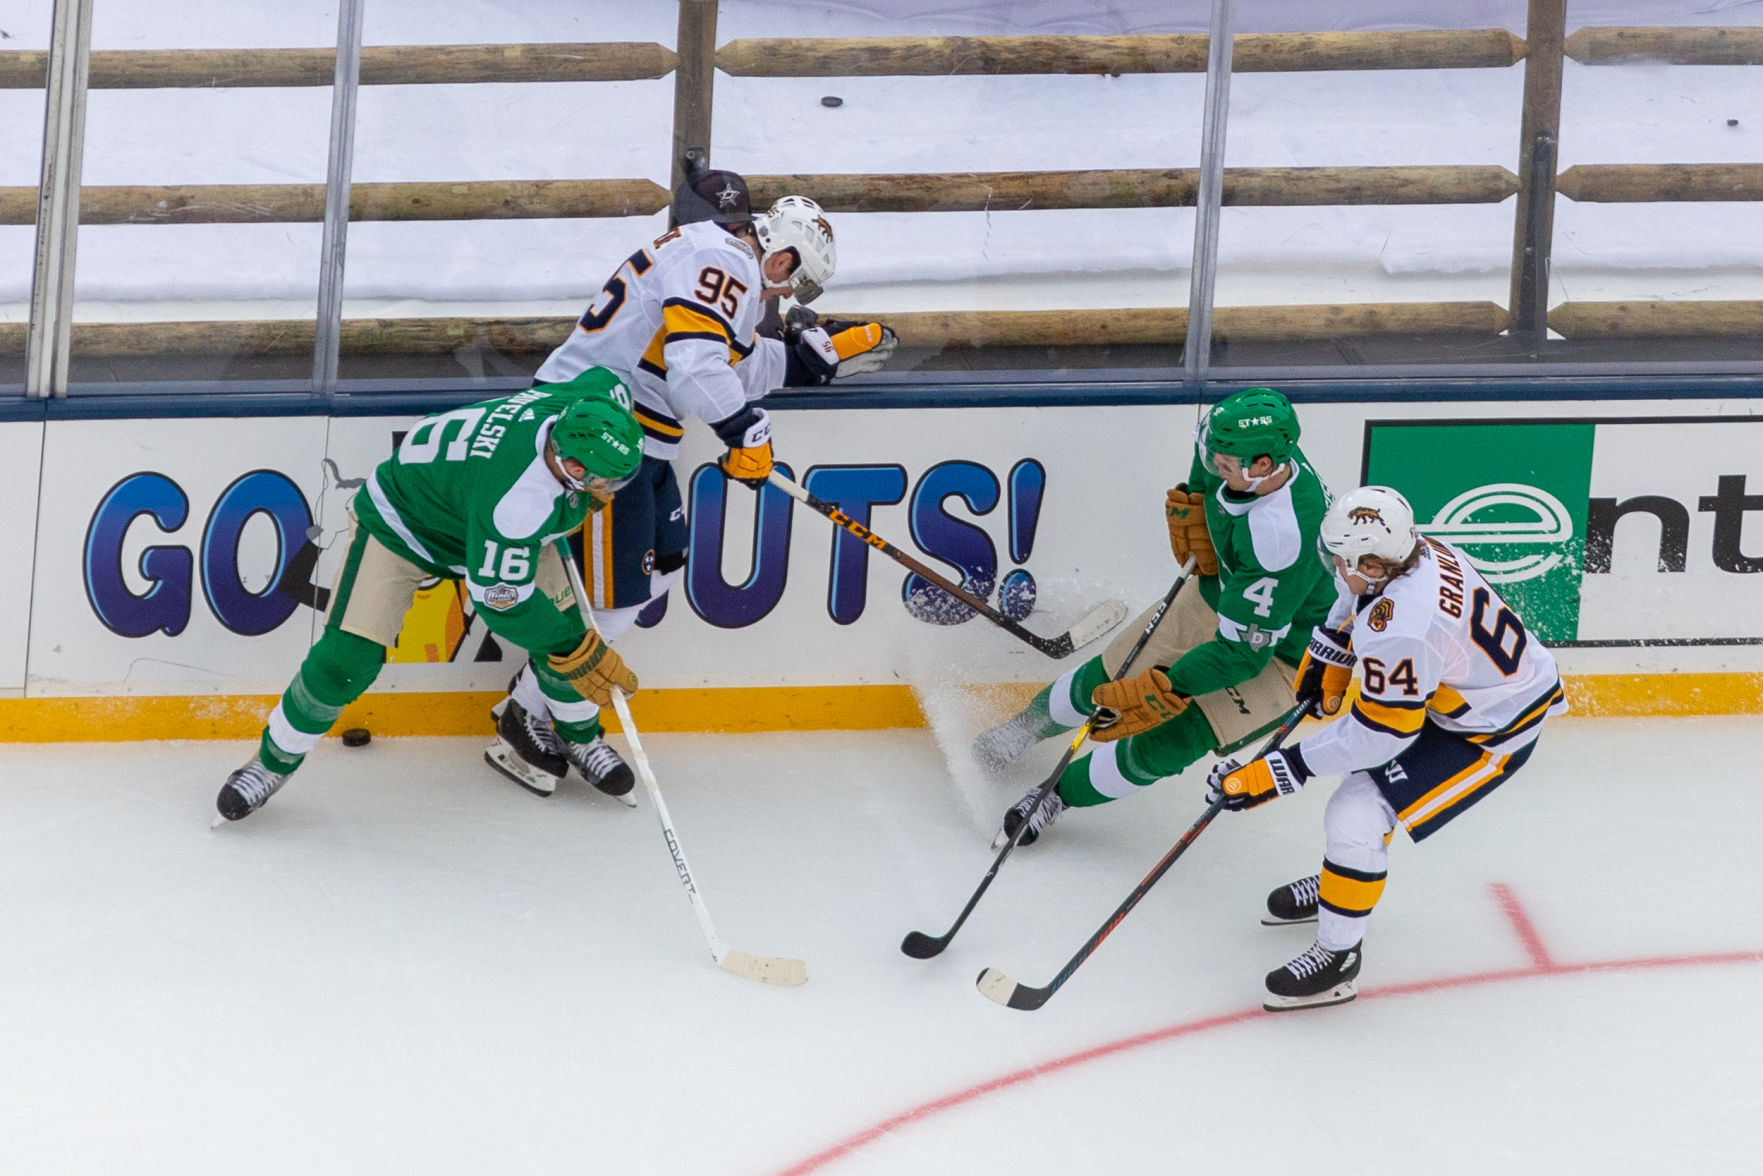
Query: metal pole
[(327, 336), (50, 337), (1203, 278)]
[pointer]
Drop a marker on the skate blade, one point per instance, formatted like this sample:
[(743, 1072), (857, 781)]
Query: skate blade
[(498, 756), (627, 799), (1339, 994), (1276, 921)]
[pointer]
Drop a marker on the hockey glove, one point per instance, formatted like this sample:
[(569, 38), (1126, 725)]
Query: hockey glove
[(832, 348), (1243, 786), (1133, 705), (1325, 669), (748, 437), (1187, 530), (594, 668)]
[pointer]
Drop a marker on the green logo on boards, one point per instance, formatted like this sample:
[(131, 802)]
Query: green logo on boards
[(1513, 496)]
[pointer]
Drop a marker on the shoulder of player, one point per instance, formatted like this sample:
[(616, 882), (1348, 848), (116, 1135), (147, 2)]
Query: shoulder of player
[(706, 243), (517, 498), (1281, 530), (1402, 612)]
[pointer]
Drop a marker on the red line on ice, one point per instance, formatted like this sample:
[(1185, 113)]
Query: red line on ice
[(1527, 932), (1542, 967)]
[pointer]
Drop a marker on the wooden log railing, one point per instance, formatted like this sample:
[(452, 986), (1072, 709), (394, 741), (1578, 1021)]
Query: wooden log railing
[(931, 329), (1672, 46), (1160, 326), (904, 192), (381, 65), (292, 203), (1658, 320), (948, 192), (1161, 53), (1615, 183)]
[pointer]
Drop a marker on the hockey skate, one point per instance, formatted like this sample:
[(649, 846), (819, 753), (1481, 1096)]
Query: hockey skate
[(995, 750), (527, 750), (1316, 979), (1045, 815), (246, 790), (602, 767), (1295, 902)]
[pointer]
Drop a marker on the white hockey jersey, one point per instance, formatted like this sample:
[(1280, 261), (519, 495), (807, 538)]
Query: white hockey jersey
[(677, 321), (1438, 644)]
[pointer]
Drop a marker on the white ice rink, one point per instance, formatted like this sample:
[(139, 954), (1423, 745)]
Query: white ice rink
[(406, 964)]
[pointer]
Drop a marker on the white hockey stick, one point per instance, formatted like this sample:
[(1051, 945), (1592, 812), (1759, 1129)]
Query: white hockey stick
[(765, 969)]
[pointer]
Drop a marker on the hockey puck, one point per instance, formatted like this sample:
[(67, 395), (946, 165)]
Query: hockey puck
[(832, 100), (357, 737)]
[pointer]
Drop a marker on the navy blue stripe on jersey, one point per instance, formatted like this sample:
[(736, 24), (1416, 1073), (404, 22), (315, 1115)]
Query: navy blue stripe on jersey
[(654, 369), (672, 336), (697, 307), (1367, 721), (1529, 717)]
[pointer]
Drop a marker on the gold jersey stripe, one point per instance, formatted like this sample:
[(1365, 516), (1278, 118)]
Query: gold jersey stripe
[(1404, 720), (665, 428)]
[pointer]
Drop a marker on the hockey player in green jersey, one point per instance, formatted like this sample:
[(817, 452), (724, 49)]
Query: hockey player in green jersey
[(479, 494), (1220, 667)]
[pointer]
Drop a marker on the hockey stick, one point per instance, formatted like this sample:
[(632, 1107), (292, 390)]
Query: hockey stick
[(920, 946), (765, 969), (1097, 622), (996, 986)]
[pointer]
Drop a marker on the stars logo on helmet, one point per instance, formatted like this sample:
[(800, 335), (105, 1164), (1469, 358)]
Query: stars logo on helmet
[(727, 196)]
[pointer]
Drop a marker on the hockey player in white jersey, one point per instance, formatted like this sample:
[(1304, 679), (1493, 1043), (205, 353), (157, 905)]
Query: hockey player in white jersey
[(1453, 693), (678, 321)]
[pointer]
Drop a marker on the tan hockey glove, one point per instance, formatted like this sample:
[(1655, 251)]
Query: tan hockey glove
[(1133, 705), (1187, 530), (594, 668)]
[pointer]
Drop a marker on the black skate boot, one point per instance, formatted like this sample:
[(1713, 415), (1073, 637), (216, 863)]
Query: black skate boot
[(602, 767), (995, 750), (246, 789), (1295, 902), (527, 750), (1045, 815), (1317, 978)]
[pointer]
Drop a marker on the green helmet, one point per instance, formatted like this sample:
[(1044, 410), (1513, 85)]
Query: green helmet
[(1248, 424), (599, 430)]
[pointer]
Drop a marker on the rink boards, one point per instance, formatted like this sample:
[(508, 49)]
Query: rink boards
[(166, 570)]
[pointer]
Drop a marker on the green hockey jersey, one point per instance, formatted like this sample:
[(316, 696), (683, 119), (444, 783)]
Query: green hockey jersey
[(468, 495), (1272, 587)]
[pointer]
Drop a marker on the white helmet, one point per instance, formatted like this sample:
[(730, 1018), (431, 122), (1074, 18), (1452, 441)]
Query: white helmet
[(796, 222), (1372, 520)]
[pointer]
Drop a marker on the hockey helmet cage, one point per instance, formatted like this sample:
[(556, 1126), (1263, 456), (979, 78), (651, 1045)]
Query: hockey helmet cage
[(719, 196), (797, 223), (1372, 520), (598, 429)]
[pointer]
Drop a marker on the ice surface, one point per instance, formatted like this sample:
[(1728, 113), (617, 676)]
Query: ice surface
[(404, 963)]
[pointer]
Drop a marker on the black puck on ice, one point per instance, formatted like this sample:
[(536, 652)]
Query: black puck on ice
[(357, 737), (832, 100)]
